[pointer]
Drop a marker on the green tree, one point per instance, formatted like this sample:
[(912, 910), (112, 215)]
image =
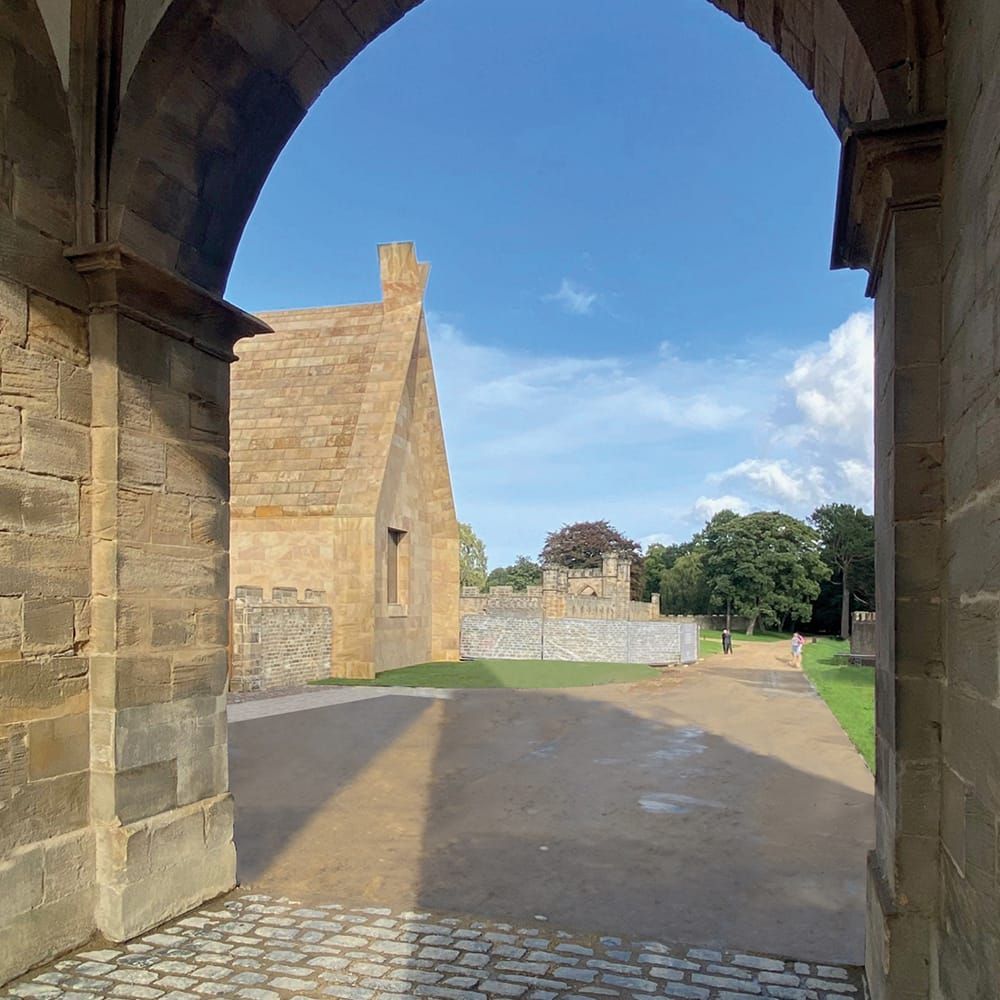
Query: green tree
[(471, 557), (766, 566), (659, 558), (847, 538), (684, 587), (581, 546), (522, 574), (720, 555)]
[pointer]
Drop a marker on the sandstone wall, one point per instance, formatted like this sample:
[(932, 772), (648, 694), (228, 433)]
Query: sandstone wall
[(967, 939), (299, 543), (559, 602), (47, 882), (280, 642), (525, 635)]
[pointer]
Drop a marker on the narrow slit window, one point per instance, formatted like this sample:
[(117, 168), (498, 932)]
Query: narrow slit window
[(392, 568)]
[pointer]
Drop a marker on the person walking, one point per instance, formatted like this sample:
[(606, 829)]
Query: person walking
[(727, 641), (798, 641)]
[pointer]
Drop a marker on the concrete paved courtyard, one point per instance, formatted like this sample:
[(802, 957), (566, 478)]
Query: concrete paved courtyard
[(721, 805)]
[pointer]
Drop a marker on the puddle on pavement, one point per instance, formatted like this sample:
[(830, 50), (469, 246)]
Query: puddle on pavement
[(675, 804), (684, 744)]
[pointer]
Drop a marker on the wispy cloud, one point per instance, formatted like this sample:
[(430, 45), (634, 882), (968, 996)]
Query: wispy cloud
[(779, 480), (539, 439), (574, 298), (707, 507), (822, 421)]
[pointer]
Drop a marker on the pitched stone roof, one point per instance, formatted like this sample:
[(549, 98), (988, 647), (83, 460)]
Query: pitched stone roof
[(315, 402)]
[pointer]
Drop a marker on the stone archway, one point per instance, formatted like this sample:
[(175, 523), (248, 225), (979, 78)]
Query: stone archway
[(137, 136)]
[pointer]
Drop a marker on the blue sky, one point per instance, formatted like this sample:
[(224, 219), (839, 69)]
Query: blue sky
[(631, 310)]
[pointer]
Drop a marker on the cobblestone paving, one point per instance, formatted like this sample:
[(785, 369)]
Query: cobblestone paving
[(254, 947)]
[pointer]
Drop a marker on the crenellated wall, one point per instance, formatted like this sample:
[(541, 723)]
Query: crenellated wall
[(279, 642), (602, 594), (863, 634)]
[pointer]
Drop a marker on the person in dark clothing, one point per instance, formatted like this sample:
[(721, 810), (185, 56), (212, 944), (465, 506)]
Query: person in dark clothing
[(727, 641)]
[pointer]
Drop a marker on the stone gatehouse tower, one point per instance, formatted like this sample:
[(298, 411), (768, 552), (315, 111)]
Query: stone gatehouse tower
[(340, 479)]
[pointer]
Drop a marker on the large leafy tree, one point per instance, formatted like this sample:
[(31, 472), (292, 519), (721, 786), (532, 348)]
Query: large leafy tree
[(847, 538), (766, 566), (659, 558), (684, 586), (721, 554), (581, 546), (523, 573), (471, 557)]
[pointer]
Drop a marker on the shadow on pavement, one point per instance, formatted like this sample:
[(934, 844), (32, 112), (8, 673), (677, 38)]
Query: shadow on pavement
[(577, 807)]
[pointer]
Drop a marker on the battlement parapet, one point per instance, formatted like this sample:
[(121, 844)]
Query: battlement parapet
[(279, 595)]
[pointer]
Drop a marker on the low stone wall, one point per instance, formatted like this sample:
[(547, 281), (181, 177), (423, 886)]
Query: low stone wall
[(515, 636), (863, 634), (737, 623), (283, 642)]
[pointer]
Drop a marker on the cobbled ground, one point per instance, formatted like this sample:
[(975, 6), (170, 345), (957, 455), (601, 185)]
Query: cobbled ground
[(255, 947)]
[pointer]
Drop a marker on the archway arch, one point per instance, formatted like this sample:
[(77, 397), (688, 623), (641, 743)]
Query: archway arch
[(219, 89), (173, 160)]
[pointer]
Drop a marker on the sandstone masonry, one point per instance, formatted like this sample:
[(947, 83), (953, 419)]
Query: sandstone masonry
[(340, 481), (136, 137), (280, 642)]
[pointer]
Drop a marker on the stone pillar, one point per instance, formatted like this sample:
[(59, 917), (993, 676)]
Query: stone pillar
[(889, 221), (555, 583), (160, 806)]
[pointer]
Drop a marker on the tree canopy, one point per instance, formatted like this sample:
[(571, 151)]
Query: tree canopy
[(581, 546), (684, 587), (766, 566), (847, 537), (659, 558), (471, 557), (523, 573)]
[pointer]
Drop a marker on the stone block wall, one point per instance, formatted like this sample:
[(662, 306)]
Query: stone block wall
[(529, 636), (501, 637), (863, 632), (737, 623), (46, 842), (282, 642), (962, 703)]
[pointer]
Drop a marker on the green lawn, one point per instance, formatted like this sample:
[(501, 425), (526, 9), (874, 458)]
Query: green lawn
[(848, 690), (503, 674), (710, 640)]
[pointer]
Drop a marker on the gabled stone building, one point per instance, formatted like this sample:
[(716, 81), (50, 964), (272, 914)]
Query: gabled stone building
[(340, 480)]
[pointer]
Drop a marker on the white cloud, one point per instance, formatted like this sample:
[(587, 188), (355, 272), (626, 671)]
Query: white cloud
[(538, 440), (823, 426), (574, 298), (656, 538), (858, 478), (707, 507), (833, 385), (779, 480)]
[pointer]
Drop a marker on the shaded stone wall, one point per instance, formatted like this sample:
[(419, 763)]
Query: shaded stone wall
[(966, 720), (281, 642), (737, 623), (863, 632), (529, 636), (47, 882), (159, 167)]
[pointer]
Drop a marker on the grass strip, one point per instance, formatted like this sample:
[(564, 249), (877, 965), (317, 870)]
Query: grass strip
[(503, 674)]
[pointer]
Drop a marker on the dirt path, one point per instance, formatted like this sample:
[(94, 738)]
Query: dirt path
[(721, 805)]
